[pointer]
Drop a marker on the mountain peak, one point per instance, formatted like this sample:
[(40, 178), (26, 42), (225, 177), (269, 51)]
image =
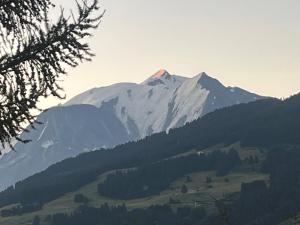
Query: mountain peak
[(163, 77), (203, 74), (208, 82), (160, 73)]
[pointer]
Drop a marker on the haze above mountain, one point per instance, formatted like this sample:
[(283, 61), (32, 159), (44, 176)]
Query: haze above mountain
[(107, 116)]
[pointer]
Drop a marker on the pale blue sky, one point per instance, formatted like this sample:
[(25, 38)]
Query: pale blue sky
[(254, 44)]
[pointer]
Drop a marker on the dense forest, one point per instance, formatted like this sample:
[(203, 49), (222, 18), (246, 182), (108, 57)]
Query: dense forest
[(154, 178), (260, 203), (264, 123), (119, 215)]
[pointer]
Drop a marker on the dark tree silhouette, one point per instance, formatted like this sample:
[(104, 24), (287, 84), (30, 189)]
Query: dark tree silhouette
[(184, 189), (34, 53), (36, 220)]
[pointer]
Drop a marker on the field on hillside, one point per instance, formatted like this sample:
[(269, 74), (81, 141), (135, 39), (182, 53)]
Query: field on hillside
[(294, 220), (199, 194)]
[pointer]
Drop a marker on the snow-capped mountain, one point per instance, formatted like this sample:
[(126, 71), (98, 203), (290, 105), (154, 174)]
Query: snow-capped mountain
[(108, 116), (164, 101)]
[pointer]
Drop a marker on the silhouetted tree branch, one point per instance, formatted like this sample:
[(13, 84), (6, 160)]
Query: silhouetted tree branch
[(33, 55)]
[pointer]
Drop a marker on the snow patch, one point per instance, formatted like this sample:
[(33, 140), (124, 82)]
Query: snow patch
[(47, 144), (43, 131), (86, 150), (174, 101)]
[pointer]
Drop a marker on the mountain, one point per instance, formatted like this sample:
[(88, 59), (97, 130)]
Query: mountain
[(60, 137), (108, 116), (263, 124), (164, 101)]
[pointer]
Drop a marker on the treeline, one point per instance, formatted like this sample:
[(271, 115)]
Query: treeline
[(260, 203), (119, 215), (81, 199), (20, 210), (153, 178), (263, 124)]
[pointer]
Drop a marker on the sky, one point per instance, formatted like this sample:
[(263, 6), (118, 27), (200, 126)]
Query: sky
[(252, 44)]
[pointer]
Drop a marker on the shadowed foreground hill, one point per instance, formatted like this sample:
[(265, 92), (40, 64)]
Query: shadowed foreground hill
[(264, 123)]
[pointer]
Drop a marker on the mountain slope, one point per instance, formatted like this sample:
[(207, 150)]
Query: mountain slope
[(63, 128), (164, 101), (264, 123), (108, 116)]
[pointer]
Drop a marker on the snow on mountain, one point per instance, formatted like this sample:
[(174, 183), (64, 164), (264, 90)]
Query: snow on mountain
[(108, 116), (65, 132), (164, 101)]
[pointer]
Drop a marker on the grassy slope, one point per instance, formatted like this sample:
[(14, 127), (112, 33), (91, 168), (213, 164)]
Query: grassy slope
[(199, 191), (294, 220)]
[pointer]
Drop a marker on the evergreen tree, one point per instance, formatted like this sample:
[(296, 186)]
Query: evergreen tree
[(208, 180), (33, 55), (188, 179), (36, 220), (80, 198), (184, 189)]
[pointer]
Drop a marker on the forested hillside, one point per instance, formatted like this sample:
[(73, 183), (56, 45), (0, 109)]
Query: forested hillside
[(258, 203), (154, 178), (263, 123), (262, 204)]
